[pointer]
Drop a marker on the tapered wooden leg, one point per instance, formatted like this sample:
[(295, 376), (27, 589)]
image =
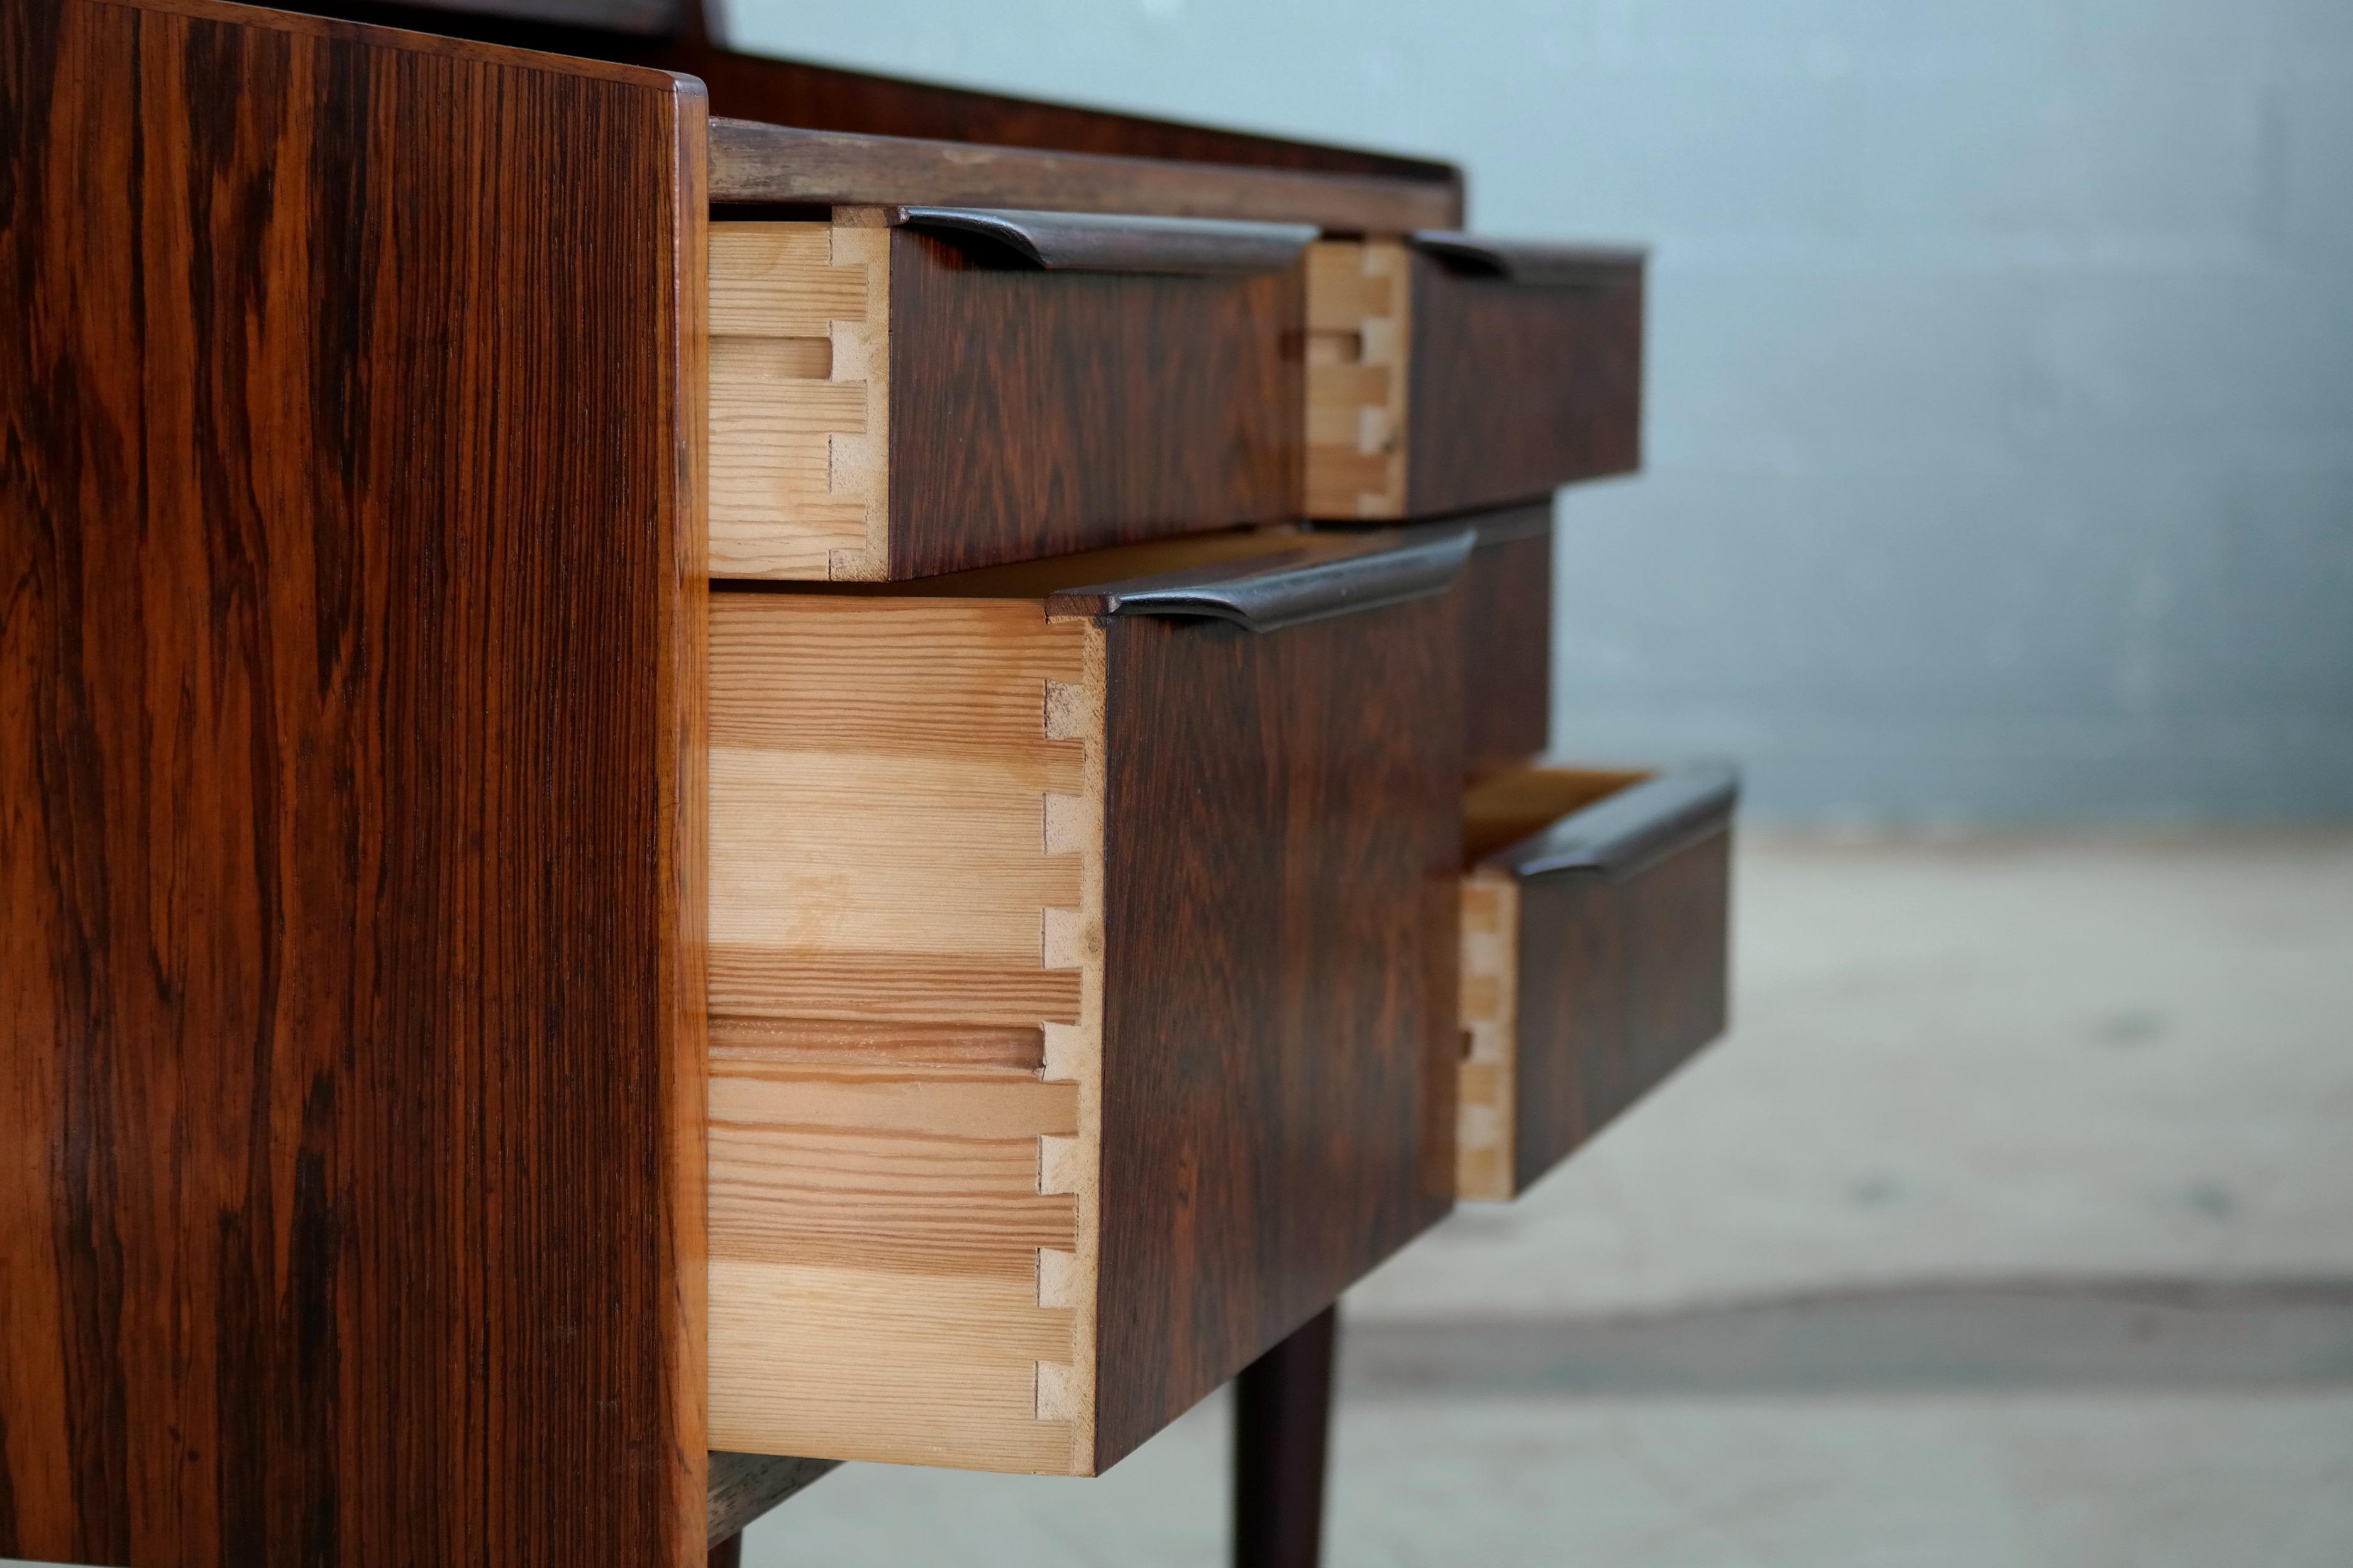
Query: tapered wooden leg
[(1283, 1423), (728, 1553)]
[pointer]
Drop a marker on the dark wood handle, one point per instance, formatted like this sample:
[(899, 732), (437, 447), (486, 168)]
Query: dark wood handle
[(1092, 242), (1632, 830), (1540, 264), (1334, 574)]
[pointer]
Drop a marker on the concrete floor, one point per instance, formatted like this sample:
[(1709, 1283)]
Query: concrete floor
[(2013, 1225)]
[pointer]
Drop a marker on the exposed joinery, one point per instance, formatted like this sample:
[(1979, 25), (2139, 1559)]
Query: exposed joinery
[(906, 909), (1357, 332), (799, 399), (893, 402), (1031, 1127), (1490, 995)]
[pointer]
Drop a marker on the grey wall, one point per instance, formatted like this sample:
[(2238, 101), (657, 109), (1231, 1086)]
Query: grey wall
[(2002, 390)]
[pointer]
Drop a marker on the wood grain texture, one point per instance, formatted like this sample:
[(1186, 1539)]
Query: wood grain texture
[(1282, 861), (758, 162), (801, 93), (1041, 413), (1486, 1097), (800, 400), (1579, 995), (793, 92), (1359, 306), (1517, 390), (919, 1042), (1503, 615), (1503, 605), (350, 1051), (1619, 986), (652, 17), (745, 1486), (885, 408), (1502, 809), (906, 895)]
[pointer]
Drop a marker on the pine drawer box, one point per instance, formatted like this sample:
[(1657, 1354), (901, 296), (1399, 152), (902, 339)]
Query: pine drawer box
[(905, 392), (1595, 920), (1082, 984), (1448, 372)]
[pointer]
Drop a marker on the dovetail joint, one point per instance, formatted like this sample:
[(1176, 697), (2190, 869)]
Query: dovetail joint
[(1066, 941)]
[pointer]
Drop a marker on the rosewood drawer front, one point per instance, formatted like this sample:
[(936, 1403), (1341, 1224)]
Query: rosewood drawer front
[(1447, 372), (1083, 966), (927, 390), (1595, 920)]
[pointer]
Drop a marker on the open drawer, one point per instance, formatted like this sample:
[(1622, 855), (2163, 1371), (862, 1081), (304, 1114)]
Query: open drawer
[(905, 392), (1447, 372), (1595, 918), (1082, 984)]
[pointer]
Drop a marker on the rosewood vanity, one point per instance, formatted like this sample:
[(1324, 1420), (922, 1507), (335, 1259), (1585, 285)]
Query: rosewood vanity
[(709, 765)]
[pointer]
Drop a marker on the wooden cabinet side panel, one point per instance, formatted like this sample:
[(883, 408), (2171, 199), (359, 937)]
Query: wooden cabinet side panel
[(1505, 602), (349, 677), (1519, 389), (1044, 413), (1282, 874), (1618, 984)]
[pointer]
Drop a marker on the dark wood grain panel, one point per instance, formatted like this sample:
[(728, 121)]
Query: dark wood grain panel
[(745, 1486), (793, 92), (1282, 859), (1516, 390), (1040, 413), (657, 18), (1619, 982), (830, 98), (1505, 608), (758, 162), (350, 646)]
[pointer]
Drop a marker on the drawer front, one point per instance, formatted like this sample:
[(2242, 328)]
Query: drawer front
[(896, 402), (1280, 1043), (1082, 999), (1593, 956), (1445, 378)]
